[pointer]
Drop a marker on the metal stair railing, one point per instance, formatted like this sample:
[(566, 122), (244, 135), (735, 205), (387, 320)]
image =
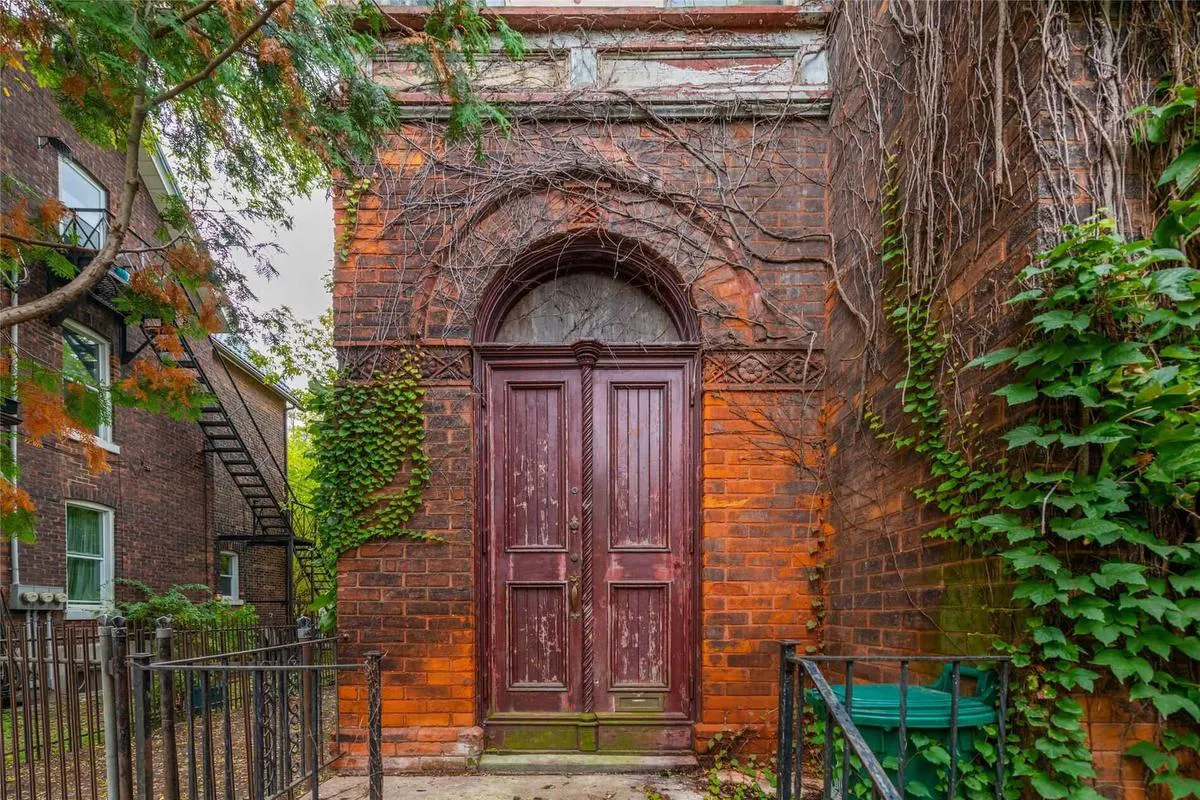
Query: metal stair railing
[(318, 580), (272, 517), (840, 772)]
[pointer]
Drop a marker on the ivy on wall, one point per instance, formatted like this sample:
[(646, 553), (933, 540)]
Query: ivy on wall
[(370, 467), (1092, 504)]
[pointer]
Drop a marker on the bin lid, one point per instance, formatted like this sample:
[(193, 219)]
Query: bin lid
[(878, 705)]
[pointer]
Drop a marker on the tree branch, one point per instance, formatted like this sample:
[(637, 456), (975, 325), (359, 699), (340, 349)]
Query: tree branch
[(220, 58), (12, 237), (51, 245), (185, 17)]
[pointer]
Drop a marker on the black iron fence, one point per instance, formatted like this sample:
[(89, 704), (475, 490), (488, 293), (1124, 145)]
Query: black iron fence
[(901, 735), (52, 706), (257, 723)]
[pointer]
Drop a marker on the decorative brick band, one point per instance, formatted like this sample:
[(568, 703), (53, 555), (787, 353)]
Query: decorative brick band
[(440, 364), (764, 369), (761, 369)]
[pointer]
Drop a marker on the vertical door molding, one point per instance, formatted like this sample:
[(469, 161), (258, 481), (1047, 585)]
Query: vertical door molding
[(587, 354)]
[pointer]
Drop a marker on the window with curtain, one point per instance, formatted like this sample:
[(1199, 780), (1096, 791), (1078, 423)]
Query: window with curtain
[(89, 558), (86, 365)]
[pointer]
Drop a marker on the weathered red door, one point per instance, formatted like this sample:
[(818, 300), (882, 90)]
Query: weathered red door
[(590, 544)]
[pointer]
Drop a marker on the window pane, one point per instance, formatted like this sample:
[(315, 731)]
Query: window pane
[(81, 357), (85, 531), (226, 563), (83, 580), (76, 189), (587, 305), (225, 586)]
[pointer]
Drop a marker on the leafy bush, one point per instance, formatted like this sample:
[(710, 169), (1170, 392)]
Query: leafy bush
[(212, 612)]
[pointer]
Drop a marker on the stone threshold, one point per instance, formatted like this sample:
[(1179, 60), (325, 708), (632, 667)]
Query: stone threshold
[(583, 763)]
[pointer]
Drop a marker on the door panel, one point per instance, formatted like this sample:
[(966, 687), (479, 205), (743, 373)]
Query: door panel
[(537, 450), (642, 565), (636, 441), (534, 445), (640, 632), (537, 636)]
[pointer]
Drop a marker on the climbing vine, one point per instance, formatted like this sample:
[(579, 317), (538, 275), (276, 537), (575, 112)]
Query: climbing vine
[(370, 467), (1092, 504)]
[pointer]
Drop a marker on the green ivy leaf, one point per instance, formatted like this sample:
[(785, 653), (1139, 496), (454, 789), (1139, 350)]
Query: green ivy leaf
[(1017, 393), (1062, 318), (1124, 666), (1114, 572)]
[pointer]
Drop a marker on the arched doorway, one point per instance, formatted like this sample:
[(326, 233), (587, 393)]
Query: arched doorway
[(587, 401)]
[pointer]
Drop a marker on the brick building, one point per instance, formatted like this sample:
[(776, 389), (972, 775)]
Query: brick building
[(169, 512), (645, 378)]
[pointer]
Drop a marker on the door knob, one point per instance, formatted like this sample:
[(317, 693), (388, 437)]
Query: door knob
[(573, 523)]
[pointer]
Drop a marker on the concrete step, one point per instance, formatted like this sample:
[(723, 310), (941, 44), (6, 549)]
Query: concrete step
[(583, 763)]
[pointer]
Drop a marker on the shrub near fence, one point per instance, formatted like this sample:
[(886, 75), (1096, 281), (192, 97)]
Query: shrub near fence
[(51, 699)]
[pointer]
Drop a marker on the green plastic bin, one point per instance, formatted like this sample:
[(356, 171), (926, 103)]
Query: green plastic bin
[(875, 709)]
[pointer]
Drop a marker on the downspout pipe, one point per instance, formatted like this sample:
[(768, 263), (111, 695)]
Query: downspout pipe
[(14, 545)]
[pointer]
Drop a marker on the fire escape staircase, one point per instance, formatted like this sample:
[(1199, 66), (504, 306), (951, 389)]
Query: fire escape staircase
[(276, 520)]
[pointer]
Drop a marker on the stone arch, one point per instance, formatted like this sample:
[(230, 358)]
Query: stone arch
[(716, 276), (628, 264)]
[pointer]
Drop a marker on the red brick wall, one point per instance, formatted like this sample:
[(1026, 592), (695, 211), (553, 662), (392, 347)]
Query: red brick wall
[(418, 601), (890, 588), (761, 539), (166, 509)]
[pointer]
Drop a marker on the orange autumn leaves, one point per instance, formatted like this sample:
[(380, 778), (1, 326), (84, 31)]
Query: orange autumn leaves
[(150, 381), (20, 223), (44, 414)]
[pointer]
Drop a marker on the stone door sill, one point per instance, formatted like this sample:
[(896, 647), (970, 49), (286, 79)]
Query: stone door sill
[(582, 763)]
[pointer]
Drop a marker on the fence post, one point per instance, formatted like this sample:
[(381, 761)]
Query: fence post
[(166, 682), (374, 728), (308, 731), (108, 702), (786, 721), (143, 680), (120, 676)]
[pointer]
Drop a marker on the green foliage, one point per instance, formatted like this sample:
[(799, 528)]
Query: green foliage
[(976, 768), (301, 459), (1157, 123), (184, 612), (371, 468), (1098, 524), (755, 779), (257, 101)]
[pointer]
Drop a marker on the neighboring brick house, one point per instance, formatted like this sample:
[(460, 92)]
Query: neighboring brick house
[(168, 512), (645, 380)]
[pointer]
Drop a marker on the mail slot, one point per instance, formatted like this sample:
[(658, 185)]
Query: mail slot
[(640, 702)]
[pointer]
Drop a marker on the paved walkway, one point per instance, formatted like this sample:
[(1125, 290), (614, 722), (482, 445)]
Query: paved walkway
[(516, 787)]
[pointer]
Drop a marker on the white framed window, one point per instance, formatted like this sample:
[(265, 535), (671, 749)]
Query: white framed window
[(86, 364), (83, 194), (228, 579), (89, 559)]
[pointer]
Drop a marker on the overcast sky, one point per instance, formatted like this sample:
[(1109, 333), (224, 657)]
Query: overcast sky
[(306, 255)]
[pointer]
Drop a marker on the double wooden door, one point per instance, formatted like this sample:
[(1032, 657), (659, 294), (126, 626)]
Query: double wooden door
[(590, 542)]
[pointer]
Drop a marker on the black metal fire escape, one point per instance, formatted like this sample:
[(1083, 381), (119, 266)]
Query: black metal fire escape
[(276, 519)]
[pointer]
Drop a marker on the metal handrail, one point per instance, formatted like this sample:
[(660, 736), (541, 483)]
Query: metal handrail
[(836, 712), (794, 666)]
